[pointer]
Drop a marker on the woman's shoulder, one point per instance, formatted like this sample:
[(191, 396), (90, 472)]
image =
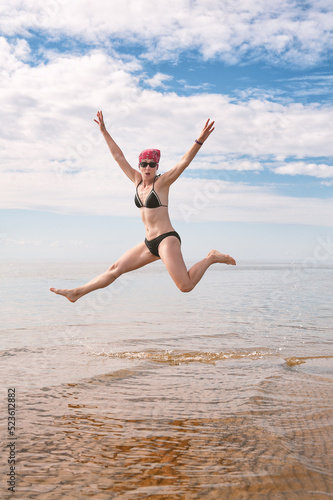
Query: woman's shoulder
[(161, 183), (161, 177)]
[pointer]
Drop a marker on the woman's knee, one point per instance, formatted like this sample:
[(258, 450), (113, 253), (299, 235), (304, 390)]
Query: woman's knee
[(115, 270), (186, 287)]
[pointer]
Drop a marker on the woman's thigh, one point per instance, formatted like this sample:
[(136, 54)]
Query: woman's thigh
[(134, 258), (171, 255)]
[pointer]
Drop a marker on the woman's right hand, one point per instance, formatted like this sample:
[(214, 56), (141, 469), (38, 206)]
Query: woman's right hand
[(100, 121)]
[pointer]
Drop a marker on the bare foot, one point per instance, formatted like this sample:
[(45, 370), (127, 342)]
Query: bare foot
[(221, 258), (71, 295)]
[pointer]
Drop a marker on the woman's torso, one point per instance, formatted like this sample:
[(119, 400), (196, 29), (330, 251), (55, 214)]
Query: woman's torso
[(156, 194)]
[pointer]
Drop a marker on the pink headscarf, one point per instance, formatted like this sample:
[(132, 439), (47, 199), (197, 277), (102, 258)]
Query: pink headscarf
[(150, 154)]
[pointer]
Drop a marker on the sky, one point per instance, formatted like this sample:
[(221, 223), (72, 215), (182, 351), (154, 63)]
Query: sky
[(259, 188)]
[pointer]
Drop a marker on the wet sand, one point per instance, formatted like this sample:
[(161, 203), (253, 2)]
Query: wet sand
[(81, 441)]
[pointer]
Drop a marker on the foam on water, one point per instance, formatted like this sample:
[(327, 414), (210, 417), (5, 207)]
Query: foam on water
[(174, 357)]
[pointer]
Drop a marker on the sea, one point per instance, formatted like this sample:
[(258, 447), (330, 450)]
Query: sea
[(138, 391)]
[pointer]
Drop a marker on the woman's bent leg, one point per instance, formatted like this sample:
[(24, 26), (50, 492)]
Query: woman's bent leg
[(134, 258), (171, 256)]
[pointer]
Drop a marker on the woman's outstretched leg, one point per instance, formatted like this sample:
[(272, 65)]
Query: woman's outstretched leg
[(134, 258), (171, 256)]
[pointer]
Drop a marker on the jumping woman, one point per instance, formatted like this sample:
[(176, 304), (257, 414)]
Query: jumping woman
[(162, 241)]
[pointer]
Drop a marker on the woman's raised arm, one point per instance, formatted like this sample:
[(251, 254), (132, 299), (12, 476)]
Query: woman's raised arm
[(115, 150), (173, 174)]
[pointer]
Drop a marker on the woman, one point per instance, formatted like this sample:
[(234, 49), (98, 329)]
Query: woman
[(162, 241)]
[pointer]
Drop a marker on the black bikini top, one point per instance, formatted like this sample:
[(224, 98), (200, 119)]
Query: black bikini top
[(152, 200)]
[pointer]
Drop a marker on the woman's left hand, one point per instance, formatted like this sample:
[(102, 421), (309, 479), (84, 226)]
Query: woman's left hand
[(206, 131)]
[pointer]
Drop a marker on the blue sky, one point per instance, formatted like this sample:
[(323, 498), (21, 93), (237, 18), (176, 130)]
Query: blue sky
[(261, 187)]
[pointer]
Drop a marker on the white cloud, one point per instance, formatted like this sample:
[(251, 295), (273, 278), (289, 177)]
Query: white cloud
[(204, 87), (215, 200), (48, 110), (12, 55), (218, 162), (54, 158), (158, 80), (105, 192), (230, 30), (322, 171), (311, 85)]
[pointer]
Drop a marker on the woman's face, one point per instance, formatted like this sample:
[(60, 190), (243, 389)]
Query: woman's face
[(148, 169)]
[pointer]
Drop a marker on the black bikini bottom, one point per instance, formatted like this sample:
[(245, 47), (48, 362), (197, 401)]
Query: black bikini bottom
[(152, 245)]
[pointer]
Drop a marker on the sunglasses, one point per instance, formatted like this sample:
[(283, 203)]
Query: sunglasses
[(151, 164)]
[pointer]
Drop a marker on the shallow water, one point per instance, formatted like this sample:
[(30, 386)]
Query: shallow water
[(139, 391)]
